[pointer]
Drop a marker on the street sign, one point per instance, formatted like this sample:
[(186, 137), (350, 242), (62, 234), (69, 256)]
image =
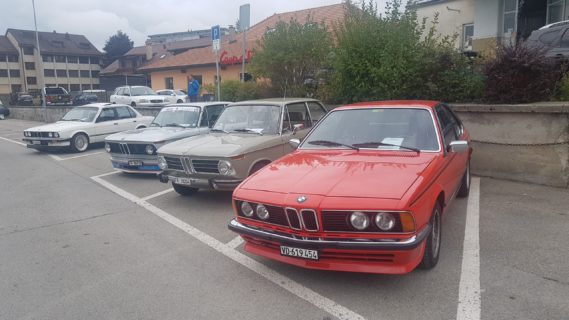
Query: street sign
[(244, 17), (215, 37)]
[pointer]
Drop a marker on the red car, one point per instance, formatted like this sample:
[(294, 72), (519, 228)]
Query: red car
[(365, 191)]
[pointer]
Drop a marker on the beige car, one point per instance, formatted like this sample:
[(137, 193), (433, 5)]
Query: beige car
[(247, 136)]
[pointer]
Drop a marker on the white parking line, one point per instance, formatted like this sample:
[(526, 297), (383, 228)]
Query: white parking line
[(80, 156), (106, 174), (54, 157), (13, 141), (235, 242), (469, 289), (157, 194), (291, 286)]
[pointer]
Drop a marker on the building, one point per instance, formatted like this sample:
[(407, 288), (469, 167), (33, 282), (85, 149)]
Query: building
[(67, 60), (10, 75), (482, 24), (172, 71), (181, 36)]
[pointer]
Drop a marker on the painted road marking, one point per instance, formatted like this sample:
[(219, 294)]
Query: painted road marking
[(54, 157), (157, 194), (106, 174), (81, 156), (282, 281), (13, 141), (235, 242), (469, 305)]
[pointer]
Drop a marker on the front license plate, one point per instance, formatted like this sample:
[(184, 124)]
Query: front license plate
[(299, 253), (36, 142), (184, 181), (135, 163)]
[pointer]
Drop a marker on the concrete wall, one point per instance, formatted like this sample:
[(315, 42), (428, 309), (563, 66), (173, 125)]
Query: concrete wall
[(54, 113)]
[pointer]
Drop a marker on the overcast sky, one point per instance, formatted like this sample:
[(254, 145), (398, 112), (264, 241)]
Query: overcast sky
[(98, 19)]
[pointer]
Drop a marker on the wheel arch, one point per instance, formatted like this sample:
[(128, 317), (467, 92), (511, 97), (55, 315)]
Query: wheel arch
[(266, 161)]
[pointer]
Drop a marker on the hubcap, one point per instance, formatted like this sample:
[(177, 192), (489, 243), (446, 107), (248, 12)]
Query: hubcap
[(81, 143), (436, 234)]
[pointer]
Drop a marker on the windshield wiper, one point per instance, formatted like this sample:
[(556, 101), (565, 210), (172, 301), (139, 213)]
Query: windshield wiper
[(218, 130), (174, 125), (377, 144), (248, 130), (331, 143)]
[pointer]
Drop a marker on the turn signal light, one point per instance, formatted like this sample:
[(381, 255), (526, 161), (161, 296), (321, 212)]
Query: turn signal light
[(407, 222)]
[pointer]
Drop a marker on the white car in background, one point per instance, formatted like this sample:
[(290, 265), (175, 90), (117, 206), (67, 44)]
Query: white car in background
[(84, 125), (179, 96), (139, 96)]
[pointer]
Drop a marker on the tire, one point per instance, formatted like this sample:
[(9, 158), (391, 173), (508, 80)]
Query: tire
[(184, 190), (465, 184), (133, 104), (79, 142), (433, 242), (179, 101), (258, 166)]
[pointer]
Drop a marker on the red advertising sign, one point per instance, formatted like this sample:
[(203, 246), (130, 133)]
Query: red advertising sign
[(225, 59)]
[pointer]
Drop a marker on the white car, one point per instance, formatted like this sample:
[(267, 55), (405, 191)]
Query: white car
[(178, 95), (84, 125), (139, 96)]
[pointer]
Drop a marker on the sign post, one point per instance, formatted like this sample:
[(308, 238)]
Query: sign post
[(216, 44), (244, 21)]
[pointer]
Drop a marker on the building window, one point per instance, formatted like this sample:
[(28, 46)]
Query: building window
[(61, 73), (75, 87), (3, 73), (12, 58), (96, 86), (84, 73), (84, 60), (94, 60), (198, 77), (94, 73), (14, 73), (29, 51), (72, 59), (85, 87), (57, 44), (554, 11), (16, 88), (510, 17), (169, 83), (46, 58), (73, 73), (49, 73), (31, 80), (60, 59), (467, 34), (30, 65)]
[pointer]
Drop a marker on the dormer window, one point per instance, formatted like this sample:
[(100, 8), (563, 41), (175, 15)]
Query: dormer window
[(57, 44), (84, 45)]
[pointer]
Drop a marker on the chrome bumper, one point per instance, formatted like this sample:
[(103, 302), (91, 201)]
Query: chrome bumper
[(369, 244), (202, 183)]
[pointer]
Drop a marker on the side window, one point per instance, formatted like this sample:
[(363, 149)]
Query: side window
[(126, 92), (447, 125), (298, 114), (119, 91), (286, 121), (123, 113), (316, 112), (132, 113), (549, 38), (565, 39), (107, 114), (457, 124), (210, 115)]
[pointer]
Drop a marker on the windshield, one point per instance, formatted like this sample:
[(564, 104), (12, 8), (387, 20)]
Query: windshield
[(377, 128), (250, 118), (141, 91), (177, 116), (81, 114)]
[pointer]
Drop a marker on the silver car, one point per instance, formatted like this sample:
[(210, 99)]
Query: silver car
[(134, 151)]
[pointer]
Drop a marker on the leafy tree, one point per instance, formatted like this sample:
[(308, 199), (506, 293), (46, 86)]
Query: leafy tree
[(117, 45), (291, 55)]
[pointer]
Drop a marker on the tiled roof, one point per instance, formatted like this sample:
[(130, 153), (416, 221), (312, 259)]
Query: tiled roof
[(203, 56), (56, 43), (111, 68), (170, 46), (6, 46), (418, 3)]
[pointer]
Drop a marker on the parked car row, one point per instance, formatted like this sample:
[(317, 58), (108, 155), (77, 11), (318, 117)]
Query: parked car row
[(362, 188), (142, 96)]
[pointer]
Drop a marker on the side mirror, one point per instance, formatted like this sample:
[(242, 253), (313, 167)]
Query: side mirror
[(294, 143), (297, 127), (458, 146)]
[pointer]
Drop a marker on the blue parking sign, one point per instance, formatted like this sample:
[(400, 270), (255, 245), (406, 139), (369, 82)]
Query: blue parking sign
[(215, 33)]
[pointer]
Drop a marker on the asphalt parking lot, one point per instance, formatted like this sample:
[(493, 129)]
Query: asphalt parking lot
[(80, 241)]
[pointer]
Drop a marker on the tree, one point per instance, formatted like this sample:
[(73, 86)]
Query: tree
[(291, 55), (117, 45)]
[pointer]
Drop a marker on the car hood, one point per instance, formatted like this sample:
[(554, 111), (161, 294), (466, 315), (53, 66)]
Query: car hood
[(59, 126), (153, 135), (219, 144), (363, 174)]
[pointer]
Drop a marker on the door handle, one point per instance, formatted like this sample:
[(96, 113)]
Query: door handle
[(134, 121), (116, 123)]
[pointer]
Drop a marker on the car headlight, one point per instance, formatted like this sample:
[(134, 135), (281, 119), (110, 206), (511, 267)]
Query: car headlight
[(143, 101), (50, 134), (56, 135), (26, 134), (262, 212), (107, 147), (247, 209), (359, 220), (224, 167), (162, 162), (150, 149), (385, 221)]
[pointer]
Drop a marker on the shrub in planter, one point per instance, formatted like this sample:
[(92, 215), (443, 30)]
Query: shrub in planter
[(563, 88), (235, 90), (520, 74)]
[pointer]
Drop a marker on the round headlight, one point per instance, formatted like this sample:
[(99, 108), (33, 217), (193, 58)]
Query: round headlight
[(162, 162), (150, 149), (359, 220), (56, 135), (246, 209), (107, 147), (224, 167), (26, 134), (50, 134), (262, 212), (385, 221)]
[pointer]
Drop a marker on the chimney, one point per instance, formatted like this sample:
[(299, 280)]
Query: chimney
[(231, 35), (148, 52)]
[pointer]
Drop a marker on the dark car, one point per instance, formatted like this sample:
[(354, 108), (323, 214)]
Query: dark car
[(4, 111), (84, 98), (21, 99), (553, 39)]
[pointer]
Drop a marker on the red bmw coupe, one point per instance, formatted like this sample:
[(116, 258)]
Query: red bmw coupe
[(365, 191)]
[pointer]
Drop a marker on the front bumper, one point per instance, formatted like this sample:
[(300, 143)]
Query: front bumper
[(152, 104), (212, 183), (386, 256), (46, 143), (136, 165)]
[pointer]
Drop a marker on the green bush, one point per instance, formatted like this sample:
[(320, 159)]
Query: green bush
[(563, 88), (235, 90)]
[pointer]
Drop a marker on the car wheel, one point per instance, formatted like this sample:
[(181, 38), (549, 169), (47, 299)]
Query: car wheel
[(433, 242), (258, 166), (79, 142), (184, 190), (179, 101), (465, 184), (133, 104)]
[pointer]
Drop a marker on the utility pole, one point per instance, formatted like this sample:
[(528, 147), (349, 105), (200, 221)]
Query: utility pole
[(244, 21), (40, 64)]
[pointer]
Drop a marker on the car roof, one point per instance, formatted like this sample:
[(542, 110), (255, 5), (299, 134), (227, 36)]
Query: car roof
[(102, 105), (198, 104), (430, 104), (275, 101)]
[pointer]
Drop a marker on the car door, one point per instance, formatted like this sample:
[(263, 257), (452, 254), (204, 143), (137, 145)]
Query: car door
[(125, 119), (454, 163), (294, 114), (561, 49), (117, 96), (105, 124)]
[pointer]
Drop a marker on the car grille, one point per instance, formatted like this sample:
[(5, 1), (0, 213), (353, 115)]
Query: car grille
[(156, 101), (174, 163), (205, 166), (286, 218), (309, 220), (39, 134), (128, 148)]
